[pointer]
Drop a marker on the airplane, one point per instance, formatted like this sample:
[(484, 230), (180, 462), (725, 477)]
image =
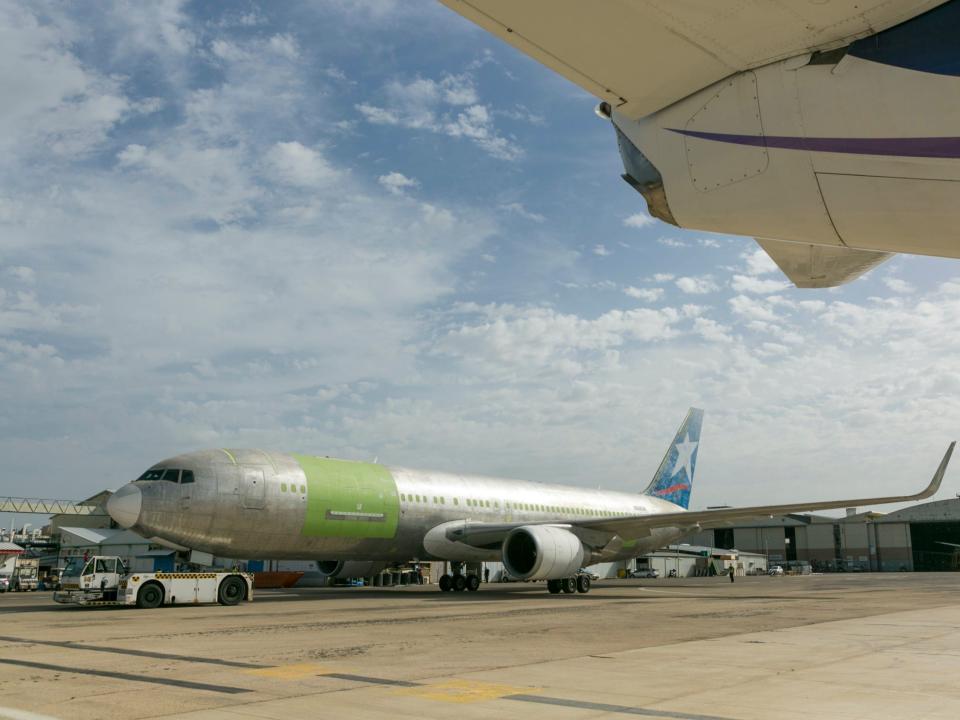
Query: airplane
[(355, 518), (826, 130)]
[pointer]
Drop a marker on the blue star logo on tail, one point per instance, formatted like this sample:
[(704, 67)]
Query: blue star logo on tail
[(674, 478)]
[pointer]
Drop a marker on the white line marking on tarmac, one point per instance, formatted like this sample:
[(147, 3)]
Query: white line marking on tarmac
[(8, 713)]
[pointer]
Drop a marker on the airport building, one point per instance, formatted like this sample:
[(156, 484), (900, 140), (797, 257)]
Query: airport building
[(922, 537)]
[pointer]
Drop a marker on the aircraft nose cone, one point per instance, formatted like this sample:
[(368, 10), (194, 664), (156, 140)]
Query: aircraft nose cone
[(124, 506)]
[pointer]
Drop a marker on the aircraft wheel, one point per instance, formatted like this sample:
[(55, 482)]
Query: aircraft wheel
[(583, 583), (569, 585), (473, 583), (150, 596), (459, 583), (553, 586), (446, 583), (232, 590)]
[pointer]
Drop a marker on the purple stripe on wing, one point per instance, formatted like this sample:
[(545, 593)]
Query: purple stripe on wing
[(929, 147)]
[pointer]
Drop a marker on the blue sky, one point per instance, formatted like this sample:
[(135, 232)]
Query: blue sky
[(369, 229)]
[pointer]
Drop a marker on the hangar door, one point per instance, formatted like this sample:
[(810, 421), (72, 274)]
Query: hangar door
[(929, 552)]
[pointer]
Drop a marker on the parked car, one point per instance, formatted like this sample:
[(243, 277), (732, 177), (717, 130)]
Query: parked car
[(4, 583), (645, 573), (775, 570)]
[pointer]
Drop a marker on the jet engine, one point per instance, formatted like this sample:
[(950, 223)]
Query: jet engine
[(349, 568), (543, 552)]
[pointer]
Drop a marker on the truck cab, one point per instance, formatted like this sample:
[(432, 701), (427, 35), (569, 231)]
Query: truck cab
[(97, 577)]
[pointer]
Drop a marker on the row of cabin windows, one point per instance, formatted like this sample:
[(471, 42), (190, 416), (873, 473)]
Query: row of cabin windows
[(168, 474), (293, 488), (528, 507)]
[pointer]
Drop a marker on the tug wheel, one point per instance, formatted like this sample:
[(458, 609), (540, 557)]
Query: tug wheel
[(150, 596)]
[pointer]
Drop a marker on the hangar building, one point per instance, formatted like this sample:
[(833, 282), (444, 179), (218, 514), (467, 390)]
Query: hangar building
[(922, 537)]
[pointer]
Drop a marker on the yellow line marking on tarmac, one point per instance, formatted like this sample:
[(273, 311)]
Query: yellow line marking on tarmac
[(297, 671), (465, 691)]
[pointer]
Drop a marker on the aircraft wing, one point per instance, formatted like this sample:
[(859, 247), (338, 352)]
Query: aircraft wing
[(642, 55), (820, 266), (597, 533)]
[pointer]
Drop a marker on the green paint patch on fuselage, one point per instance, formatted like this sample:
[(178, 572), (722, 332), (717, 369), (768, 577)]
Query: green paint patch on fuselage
[(349, 499)]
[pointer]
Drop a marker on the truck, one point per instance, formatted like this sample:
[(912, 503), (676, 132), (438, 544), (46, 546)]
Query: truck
[(104, 580), (25, 574)]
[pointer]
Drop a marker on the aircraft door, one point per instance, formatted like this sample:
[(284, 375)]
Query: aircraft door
[(254, 488)]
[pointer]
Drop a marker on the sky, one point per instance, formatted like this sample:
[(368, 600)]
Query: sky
[(368, 229)]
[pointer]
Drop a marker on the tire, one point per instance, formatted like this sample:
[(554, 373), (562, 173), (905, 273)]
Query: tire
[(150, 596), (232, 590), (459, 583), (446, 583), (553, 586), (583, 583), (473, 583), (569, 585)]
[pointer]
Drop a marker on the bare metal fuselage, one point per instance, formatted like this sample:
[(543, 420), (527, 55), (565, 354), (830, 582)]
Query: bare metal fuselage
[(256, 504)]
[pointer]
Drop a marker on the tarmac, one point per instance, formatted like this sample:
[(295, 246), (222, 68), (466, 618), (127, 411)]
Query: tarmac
[(823, 646)]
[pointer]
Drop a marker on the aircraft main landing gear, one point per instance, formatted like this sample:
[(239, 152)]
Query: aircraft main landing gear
[(569, 585), (458, 582)]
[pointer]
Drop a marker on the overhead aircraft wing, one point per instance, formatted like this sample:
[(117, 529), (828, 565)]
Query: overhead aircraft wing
[(820, 266), (642, 55), (598, 532)]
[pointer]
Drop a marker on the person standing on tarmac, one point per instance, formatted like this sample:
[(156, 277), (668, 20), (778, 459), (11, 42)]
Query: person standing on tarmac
[(731, 574), (486, 574)]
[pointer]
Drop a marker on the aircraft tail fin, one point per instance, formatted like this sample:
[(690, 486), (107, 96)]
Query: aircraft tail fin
[(673, 480)]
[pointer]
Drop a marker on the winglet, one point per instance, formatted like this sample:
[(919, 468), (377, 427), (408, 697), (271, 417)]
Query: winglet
[(937, 476)]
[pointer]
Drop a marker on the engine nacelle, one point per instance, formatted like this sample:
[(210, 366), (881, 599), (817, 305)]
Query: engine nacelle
[(543, 552), (349, 568)]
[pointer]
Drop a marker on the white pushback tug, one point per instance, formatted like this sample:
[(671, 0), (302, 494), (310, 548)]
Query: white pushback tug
[(104, 580)]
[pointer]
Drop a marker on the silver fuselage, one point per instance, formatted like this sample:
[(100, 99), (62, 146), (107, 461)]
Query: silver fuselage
[(256, 504)]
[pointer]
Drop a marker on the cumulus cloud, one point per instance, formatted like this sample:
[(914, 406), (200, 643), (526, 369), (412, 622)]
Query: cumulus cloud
[(759, 263), (397, 183), (898, 285), (292, 163), (639, 220), (645, 294), (749, 283), (672, 242), (697, 285), (449, 106), (601, 250)]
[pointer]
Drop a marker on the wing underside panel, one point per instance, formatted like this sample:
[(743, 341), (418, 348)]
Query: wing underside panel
[(643, 56)]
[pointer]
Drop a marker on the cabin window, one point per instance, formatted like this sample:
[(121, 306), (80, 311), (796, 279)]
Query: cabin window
[(283, 487), (456, 501), (303, 489)]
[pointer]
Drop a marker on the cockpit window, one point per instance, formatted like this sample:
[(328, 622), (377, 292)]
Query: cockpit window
[(153, 474), (172, 475), (186, 476)]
